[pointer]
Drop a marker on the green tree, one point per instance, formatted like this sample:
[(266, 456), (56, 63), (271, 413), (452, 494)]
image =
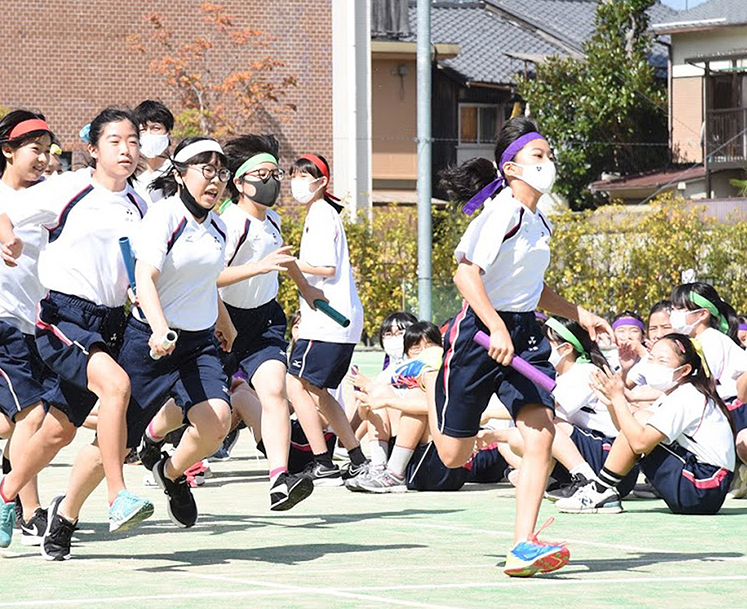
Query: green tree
[(606, 112)]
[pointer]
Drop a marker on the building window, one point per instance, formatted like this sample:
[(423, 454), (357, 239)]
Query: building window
[(478, 123)]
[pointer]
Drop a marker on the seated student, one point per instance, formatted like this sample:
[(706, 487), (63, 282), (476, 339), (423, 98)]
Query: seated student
[(155, 122), (633, 355), (584, 428), (742, 331), (685, 446), (414, 463)]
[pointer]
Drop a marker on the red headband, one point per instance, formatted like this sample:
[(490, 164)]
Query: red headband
[(321, 166), (24, 127)]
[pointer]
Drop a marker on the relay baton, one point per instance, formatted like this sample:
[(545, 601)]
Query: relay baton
[(332, 313), (521, 366), (168, 340), (129, 259)]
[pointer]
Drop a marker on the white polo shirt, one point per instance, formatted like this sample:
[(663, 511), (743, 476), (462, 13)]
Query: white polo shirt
[(143, 180), (83, 222), (576, 402), (685, 416), (512, 247), (20, 289), (726, 360), (250, 239), (189, 256), (324, 244)]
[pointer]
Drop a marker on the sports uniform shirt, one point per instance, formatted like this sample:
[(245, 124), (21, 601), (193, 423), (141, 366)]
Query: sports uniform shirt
[(20, 289), (576, 402), (411, 374), (250, 239), (189, 257), (83, 223), (324, 244), (688, 418), (512, 247), (143, 181), (726, 360)]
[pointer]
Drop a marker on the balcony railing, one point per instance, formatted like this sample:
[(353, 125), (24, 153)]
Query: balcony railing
[(726, 135)]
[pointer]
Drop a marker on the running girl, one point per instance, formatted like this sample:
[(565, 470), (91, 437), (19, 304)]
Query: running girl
[(502, 260), (81, 319)]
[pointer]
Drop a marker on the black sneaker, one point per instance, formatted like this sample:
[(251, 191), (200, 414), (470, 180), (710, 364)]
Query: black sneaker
[(646, 491), (55, 544), (224, 452), (32, 532), (322, 475), (181, 506), (350, 470), (288, 490), (19, 513), (150, 451), (563, 491)]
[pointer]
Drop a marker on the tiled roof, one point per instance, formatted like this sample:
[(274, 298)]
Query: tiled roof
[(718, 12)]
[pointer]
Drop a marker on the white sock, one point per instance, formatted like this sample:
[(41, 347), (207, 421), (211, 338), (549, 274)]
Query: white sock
[(400, 458), (585, 469), (379, 451)]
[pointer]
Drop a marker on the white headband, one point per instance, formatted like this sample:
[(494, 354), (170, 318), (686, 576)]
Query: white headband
[(196, 148)]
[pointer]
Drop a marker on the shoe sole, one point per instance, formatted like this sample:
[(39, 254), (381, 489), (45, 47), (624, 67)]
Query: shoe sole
[(613, 509), (298, 493), (543, 564), (172, 518), (51, 513), (338, 481), (31, 540), (382, 490), (145, 512)]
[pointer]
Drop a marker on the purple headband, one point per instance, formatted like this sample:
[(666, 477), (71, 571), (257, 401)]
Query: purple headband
[(628, 321), (541, 316), (499, 183), (743, 327)]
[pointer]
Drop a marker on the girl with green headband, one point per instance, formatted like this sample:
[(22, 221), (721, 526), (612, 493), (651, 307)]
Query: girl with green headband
[(698, 311)]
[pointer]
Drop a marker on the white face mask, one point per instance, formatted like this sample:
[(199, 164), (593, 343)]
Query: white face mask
[(152, 145), (555, 356), (394, 347), (541, 176), (660, 377), (678, 319), (301, 191)]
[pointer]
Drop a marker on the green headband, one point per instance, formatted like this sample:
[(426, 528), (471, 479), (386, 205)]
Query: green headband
[(568, 336), (253, 161), (706, 304)]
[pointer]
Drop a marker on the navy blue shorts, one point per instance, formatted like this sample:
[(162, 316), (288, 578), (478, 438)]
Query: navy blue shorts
[(594, 448), (426, 471), (686, 485), (261, 337), (67, 327), (23, 376), (191, 374), (300, 453), (739, 414), (486, 465), (324, 365), (469, 377)]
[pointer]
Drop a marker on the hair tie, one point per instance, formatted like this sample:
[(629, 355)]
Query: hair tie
[(704, 303), (253, 161), (699, 350), (569, 337), (195, 148), (28, 126), (628, 321), (321, 166)]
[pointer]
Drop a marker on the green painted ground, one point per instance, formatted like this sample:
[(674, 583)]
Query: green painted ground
[(350, 550)]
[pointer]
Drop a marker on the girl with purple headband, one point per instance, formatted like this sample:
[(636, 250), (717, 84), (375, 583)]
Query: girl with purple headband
[(502, 259)]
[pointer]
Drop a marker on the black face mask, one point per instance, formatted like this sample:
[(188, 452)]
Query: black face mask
[(197, 210), (266, 192)]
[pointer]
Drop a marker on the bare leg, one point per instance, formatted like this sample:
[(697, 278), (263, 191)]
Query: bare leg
[(246, 407), (454, 452), (269, 382), (28, 422), (167, 419), (742, 445), (308, 416)]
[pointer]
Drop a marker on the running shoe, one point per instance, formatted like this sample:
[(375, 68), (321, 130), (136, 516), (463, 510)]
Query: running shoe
[(646, 490), (322, 475), (224, 452), (382, 481), (7, 521), (181, 506), (150, 451), (739, 483), (288, 490), (533, 556), (350, 470), (33, 531), (128, 510), (55, 544), (589, 500), (563, 491), (354, 483), (19, 512)]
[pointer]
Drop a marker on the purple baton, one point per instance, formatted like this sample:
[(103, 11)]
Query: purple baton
[(521, 366)]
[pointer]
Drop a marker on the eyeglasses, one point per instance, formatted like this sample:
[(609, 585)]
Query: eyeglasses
[(265, 174), (209, 172)]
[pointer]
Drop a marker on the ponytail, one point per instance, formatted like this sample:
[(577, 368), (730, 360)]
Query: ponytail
[(699, 295), (562, 330)]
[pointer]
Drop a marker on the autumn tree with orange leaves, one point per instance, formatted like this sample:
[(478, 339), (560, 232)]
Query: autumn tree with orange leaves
[(220, 92)]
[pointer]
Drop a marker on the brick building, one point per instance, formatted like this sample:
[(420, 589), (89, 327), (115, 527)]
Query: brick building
[(70, 58)]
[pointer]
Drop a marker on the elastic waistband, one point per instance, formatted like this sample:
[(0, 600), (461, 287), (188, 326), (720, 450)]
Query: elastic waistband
[(145, 329), (81, 303), (239, 310)]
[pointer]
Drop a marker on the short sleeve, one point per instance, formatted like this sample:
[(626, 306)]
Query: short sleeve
[(156, 234), (483, 238), (40, 204), (323, 234), (573, 392), (671, 418)]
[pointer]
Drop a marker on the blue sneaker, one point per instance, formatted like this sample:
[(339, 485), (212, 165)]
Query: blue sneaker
[(127, 510), (527, 558), (7, 521)]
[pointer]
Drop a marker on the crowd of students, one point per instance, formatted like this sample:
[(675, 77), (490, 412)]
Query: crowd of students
[(186, 342)]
